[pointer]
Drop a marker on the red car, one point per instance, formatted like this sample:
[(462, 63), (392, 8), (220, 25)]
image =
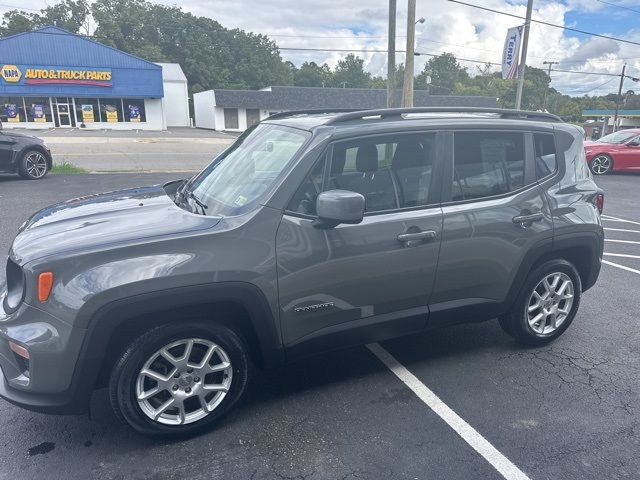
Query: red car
[(618, 151)]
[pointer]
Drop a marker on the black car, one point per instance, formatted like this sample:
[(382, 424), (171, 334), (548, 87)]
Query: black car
[(23, 154)]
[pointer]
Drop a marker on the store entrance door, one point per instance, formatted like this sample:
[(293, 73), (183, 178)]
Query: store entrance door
[(63, 112)]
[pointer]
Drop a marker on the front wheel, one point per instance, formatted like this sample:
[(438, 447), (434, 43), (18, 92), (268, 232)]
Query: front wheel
[(33, 165), (546, 305), (601, 164), (179, 380)]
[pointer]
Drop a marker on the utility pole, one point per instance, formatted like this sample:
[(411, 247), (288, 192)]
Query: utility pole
[(407, 88), (523, 57), (615, 117), (391, 56), (544, 103)]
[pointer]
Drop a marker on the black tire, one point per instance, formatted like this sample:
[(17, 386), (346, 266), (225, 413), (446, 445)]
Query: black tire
[(122, 383), (33, 165), (516, 323), (601, 164)]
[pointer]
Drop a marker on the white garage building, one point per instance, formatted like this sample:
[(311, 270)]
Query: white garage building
[(235, 110)]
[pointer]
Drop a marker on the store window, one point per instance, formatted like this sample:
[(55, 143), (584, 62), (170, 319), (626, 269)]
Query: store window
[(87, 110), (12, 109), (134, 110), (110, 110), (38, 109)]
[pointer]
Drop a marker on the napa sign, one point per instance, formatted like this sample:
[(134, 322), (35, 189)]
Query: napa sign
[(10, 73), (56, 76)]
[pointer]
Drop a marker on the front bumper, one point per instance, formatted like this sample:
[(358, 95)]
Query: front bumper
[(46, 383)]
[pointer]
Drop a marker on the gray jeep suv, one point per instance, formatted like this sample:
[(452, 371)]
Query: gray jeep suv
[(313, 231)]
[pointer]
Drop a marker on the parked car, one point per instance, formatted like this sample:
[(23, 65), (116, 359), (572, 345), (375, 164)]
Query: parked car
[(313, 231), (23, 154), (616, 152)]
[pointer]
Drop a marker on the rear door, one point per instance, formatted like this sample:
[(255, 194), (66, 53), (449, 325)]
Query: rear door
[(364, 282), (495, 213)]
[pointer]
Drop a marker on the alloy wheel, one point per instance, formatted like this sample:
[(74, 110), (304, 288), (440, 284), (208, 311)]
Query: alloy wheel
[(550, 303), (36, 165), (184, 381), (601, 164)]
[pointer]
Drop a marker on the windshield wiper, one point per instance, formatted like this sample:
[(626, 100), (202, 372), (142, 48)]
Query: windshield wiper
[(203, 206)]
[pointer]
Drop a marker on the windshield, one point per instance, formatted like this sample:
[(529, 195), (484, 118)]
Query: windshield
[(247, 170), (617, 137)]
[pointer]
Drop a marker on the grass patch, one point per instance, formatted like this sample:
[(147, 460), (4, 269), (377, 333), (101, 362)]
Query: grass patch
[(66, 167)]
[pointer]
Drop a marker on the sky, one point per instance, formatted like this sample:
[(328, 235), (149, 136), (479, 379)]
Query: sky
[(464, 31)]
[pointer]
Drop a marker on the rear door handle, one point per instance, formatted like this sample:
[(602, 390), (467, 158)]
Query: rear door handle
[(424, 236), (530, 218)]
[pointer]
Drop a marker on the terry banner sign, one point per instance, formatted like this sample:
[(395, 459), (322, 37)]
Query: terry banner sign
[(510, 53)]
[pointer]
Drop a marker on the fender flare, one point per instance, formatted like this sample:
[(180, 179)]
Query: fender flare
[(101, 322)]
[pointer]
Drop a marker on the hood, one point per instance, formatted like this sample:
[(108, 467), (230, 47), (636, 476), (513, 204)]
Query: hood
[(8, 133), (101, 220)]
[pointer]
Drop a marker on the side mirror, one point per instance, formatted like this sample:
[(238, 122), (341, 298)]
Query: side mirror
[(339, 206), (633, 143)]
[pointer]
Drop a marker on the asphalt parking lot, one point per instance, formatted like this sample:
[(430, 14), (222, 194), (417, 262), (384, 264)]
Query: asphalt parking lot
[(569, 410)]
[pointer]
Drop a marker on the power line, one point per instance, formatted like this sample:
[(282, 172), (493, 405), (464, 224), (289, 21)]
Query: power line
[(598, 87), (584, 32), (602, 74), (619, 6)]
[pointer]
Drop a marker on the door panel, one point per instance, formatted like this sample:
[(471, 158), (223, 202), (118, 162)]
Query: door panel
[(353, 272), (483, 247), (372, 279), (627, 157), (6, 152)]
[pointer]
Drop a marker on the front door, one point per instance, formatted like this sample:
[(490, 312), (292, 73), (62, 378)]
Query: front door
[(627, 156), (364, 282), (63, 112), (6, 152), (494, 214)]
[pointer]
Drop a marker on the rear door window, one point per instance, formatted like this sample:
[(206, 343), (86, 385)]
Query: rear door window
[(487, 164)]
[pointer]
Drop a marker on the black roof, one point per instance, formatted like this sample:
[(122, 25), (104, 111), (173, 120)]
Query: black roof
[(301, 98)]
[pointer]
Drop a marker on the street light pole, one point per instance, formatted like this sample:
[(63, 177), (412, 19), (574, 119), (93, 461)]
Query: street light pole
[(523, 57), (615, 117), (407, 88), (391, 56), (544, 102)]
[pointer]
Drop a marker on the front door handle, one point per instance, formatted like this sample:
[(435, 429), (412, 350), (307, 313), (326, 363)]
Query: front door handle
[(526, 220), (416, 237)]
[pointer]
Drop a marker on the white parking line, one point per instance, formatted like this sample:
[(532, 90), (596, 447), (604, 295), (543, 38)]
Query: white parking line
[(616, 219), (625, 255), (497, 460), (621, 241), (621, 230), (628, 269)]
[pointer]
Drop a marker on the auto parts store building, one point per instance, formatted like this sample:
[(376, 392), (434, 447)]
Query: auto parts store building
[(51, 78)]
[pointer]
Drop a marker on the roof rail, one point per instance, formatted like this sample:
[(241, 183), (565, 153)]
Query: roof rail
[(318, 111), (399, 112)]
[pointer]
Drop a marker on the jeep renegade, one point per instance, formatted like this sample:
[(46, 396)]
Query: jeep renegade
[(313, 231)]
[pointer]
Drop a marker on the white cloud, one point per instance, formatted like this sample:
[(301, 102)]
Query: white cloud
[(461, 30)]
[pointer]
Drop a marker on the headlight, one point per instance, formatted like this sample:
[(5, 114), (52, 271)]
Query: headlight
[(15, 286)]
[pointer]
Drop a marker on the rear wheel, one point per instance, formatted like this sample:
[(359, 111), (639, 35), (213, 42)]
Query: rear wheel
[(601, 164), (33, 165), (546, 305), (179, 380)]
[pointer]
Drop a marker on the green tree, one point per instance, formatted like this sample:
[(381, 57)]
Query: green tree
[(445, 73), (310, 74), (71, 15), (350, 73)]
